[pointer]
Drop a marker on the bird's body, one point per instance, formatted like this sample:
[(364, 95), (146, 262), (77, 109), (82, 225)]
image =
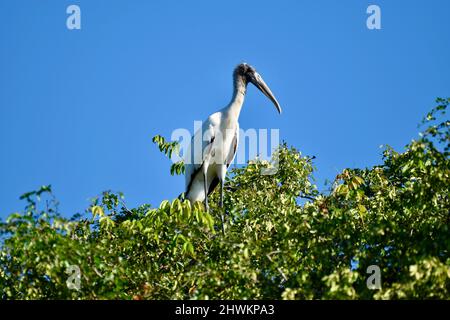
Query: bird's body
[(213, 147), (219, 124)]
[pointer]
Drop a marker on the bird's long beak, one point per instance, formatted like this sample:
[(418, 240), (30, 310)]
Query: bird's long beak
[(258, 81)]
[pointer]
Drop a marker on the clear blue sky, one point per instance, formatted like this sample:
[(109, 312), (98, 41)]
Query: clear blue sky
[(78, 108)]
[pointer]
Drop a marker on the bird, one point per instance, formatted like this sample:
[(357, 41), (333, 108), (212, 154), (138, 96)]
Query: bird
[(213, 146)]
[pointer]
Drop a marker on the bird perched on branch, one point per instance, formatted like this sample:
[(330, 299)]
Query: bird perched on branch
[(214, 146)]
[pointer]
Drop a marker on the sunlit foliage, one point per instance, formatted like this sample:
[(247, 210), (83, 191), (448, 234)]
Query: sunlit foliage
[(283, 238)]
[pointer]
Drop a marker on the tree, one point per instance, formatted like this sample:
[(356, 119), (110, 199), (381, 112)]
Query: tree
[(284, 239)]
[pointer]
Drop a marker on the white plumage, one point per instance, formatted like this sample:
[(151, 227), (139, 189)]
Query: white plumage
[(213, 147)]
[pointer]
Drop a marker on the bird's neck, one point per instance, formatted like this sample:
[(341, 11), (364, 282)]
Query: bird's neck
[(239, 89)]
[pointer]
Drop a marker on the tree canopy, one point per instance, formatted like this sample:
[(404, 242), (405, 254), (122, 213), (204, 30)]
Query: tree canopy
[(283, 238)]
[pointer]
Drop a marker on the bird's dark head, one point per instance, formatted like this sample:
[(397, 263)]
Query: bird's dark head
[(244, 70), (248, 74)]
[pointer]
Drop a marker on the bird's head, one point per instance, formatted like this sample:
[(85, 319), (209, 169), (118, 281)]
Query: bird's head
[(249, 75)]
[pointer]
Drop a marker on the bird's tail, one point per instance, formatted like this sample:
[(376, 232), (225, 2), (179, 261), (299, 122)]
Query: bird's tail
[(182, 196)]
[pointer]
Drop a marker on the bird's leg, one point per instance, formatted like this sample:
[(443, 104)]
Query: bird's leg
[(205, 184), (221, 206), (221, 194)]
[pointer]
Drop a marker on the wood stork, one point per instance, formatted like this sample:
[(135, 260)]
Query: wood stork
[(213, 146)]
